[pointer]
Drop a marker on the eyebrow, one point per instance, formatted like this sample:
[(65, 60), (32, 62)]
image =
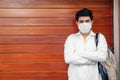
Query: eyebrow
[(88, 20)]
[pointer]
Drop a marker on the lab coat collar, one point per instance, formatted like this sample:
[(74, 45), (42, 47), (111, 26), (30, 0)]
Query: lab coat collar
[(92, 34)]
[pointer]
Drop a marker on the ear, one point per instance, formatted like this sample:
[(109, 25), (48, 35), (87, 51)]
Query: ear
[(92, 22)]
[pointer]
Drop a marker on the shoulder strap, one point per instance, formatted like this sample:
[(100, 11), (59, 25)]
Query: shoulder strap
[(96, 39)]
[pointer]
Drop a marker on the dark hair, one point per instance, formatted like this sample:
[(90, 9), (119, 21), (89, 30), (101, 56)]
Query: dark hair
[(84, 12)]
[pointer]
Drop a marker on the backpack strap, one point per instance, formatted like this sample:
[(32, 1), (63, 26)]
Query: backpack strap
[(96, 39)]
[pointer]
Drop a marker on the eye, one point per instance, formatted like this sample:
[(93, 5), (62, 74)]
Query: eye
[(81, 21), (87, 21)]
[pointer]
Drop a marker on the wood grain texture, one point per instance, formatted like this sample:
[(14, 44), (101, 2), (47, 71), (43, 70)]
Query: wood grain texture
[(49, 13), (101, 4), (33, 32), (31, 57), (39, 78), (32, 74), (47, 48), (34, 66)]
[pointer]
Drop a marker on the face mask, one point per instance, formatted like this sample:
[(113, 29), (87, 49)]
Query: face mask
[(84, 27)]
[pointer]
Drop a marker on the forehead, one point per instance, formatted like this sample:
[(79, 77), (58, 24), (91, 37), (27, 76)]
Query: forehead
[(84, 18)]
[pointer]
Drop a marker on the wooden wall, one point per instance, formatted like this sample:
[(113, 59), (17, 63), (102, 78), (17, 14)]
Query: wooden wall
[(33, 32)]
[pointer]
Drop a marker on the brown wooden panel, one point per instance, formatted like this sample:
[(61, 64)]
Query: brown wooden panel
[(37, 39), (31, 57), (34, 66), (54, 4), (48, 48), (104, 30), (47, 13), (35, 21), (32, 39), (35, 30), (48, 21), (48, 30), (32, 74), (103, 20), (40, 78)]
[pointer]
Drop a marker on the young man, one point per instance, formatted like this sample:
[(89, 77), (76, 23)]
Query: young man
[(80, 50)]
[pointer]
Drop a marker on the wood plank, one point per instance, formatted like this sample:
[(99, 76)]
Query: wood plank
[(103, 30), (32, 39), (54, 4), (36, 30), (37, 39), (31, 57), (34, 66), (40, 78), (49, 13), (33, 74), (48, 30), (46, 48), (49, 21), (36, 21)]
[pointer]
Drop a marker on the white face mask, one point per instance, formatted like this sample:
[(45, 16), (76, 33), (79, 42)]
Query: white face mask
[(84, 27)]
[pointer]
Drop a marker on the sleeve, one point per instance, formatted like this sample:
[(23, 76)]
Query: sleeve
[(101, 52), (69, 53)]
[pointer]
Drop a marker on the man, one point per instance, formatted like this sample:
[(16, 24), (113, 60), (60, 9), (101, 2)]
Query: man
[(80, 50)]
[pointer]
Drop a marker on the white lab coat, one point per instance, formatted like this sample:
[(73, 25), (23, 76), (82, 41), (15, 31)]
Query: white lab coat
[(83, 57)]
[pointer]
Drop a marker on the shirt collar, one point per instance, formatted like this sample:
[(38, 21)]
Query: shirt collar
[(92, 34)]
